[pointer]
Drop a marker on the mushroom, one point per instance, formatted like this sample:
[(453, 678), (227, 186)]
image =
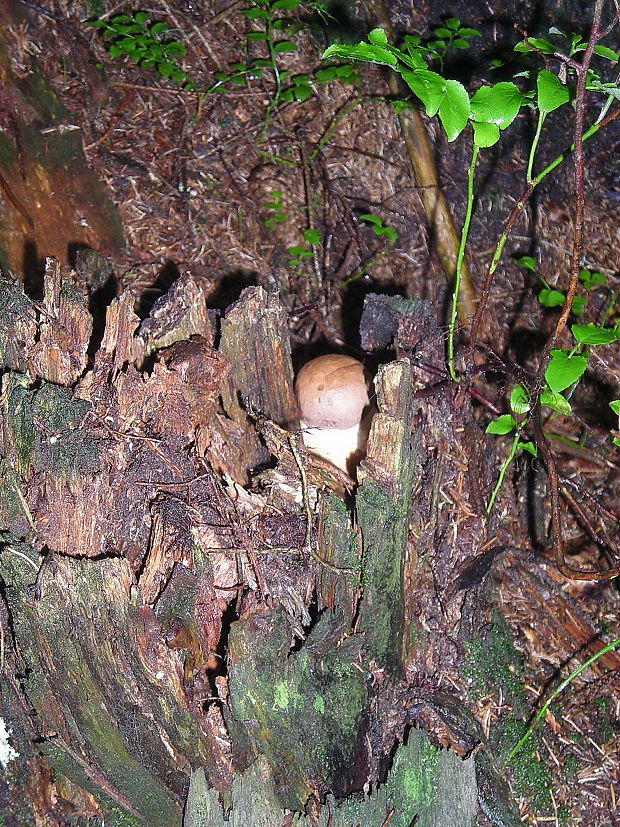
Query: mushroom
[(334, 406)]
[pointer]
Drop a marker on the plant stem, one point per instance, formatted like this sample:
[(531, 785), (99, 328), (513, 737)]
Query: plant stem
[(520, 205), (541, 712), (500, 477), (460, 257), (534, 147)]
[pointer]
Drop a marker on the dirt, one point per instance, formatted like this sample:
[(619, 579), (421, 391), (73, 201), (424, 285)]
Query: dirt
[(192, 180)]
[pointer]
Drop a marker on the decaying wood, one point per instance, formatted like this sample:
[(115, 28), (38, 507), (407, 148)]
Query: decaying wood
[(256, 343), (277, 641)]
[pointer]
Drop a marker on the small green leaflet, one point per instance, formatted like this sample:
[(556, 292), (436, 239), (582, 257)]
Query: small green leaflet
[(555, 401), (378, 227), (428, 86), (498, 104), (485, 134), (590, 334), (529, 262), (312, 236), (551, 298), (519, 400), (579, 305), (590, 279), (504, 424), (563, 370), (284, 46), (255, 13), (533, 43), (378, 37), (551, 92), (363, 51), (454, 109), (603, 51)]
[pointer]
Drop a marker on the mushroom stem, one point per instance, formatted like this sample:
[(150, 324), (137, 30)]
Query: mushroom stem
[(333, 393)]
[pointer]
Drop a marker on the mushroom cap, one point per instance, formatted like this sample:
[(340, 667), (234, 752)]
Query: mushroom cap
[(332, 392)]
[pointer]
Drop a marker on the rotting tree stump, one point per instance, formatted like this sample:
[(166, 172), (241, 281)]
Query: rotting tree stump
[(188, 641)]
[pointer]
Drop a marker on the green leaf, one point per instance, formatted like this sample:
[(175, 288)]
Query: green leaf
[(453, 22), (441, 32), (504, 424), (363, 51), (379, 228), (590, 279), (590, 334), (563, 370), (389, 232), (257, 36), (285, 4), (551, 92), (312, 236), (555, 401), (165, 69), (255, 13), (428, 86), (606, 88), (174, 48), (459, 43), (455, 109), (519, 400), (616, 441), (298, 92), (551, 298), (603, 51), (498, 104), (344, 73), (534, 43), (284, 46), (378, 37), (485, 134), (578, 305), (141, 17), (615, 406), (469, 33), (529, 447), (178, 76), (159, 27), (529, 262), (298, 250), (372, 219)]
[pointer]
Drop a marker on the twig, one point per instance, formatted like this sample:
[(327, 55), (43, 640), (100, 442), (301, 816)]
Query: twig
[(557, 544), (547, 454), (516, 212)]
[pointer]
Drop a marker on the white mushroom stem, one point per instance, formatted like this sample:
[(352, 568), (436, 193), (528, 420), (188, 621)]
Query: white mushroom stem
[(334, 403), (342, 447)]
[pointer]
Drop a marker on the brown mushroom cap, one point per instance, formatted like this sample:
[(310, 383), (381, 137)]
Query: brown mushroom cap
[(332, 392)]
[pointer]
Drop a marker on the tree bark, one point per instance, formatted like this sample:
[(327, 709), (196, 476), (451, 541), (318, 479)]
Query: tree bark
[(188, 641)]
